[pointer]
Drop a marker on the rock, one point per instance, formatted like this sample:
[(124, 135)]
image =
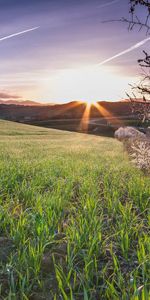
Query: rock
[(124, 133)]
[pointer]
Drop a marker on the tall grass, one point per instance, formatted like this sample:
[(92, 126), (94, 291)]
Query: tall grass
[(74, 217)]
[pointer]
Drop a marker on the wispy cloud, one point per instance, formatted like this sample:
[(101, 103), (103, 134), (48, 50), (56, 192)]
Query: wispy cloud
[(17, 33), (136, 46), (5, 95)]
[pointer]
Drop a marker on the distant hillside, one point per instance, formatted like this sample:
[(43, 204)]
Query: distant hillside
[(22, 102), (72, 110)]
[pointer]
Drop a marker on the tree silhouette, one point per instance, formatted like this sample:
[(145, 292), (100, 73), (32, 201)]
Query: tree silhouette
[(135, 20), (140, 99)]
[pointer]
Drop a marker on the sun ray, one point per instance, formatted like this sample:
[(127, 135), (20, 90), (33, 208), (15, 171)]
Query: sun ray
[(69, 106), (111, 119), (84, 124)]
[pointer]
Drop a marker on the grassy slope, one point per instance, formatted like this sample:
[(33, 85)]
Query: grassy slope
[(74, 214)]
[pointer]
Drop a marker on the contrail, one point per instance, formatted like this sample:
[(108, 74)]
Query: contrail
[(108, 3), (18, 33), (125, 51)]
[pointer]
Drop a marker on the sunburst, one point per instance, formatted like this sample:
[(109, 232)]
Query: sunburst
[(111, 119)]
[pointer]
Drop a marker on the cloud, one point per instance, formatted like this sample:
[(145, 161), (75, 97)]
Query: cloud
[(4, 95), (17, 33), (136, 46)]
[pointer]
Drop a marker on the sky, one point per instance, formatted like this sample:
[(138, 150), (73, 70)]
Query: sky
[(66, 55)]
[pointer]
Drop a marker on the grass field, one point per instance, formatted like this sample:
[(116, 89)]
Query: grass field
[(74, 217)]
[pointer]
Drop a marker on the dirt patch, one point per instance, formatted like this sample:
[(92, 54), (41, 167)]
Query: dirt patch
[(38, 296), (58, 253), (6, 248)]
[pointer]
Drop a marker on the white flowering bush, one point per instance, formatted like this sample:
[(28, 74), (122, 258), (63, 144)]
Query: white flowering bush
[(139, 152), (141, 155)]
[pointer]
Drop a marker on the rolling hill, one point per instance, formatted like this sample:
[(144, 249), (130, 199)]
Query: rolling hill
[(71, 110), (20, 102)]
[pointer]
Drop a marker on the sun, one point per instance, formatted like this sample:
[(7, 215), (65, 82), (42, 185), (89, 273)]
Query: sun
[(90, 102)]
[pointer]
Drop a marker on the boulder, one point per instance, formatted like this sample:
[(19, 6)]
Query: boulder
[(124, 133)]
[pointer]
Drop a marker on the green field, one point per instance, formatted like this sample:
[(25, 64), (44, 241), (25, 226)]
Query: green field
[(74, 217)]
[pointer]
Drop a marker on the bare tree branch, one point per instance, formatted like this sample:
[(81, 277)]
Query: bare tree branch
[(140, 101)]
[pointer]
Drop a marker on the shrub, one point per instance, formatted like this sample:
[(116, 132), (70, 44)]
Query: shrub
[(139, 152)]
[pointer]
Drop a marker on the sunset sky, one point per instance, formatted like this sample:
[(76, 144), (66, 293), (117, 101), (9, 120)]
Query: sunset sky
[(61, 60)]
